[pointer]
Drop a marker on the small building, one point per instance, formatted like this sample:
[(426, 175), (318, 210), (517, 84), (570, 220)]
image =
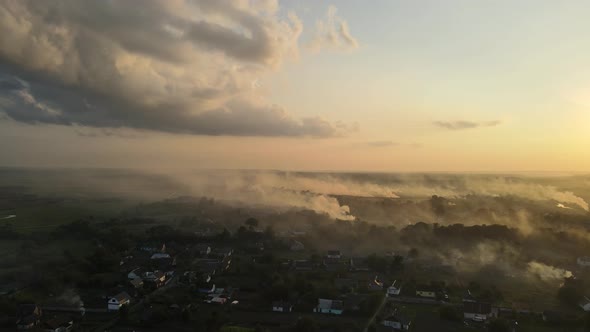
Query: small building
[(426, 292), (59, 324), (394, 289), (136, 283), (477, 311), (334, 254), (585, 304), (396, 322), (158, 278), (327, 306), (281, 306), (375, 284), (583, 261), (135, 274), (116, 302)]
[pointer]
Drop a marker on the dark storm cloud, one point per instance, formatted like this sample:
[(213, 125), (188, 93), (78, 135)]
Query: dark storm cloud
[(459, 125), (173, 66)]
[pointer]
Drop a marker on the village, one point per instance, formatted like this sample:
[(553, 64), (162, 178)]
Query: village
[(256, 280)]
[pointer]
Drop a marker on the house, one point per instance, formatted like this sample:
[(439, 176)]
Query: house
[(375, 284), (160, 255), (359, 264), (396, 322), (326, 306), (154, 279), (59, 324), (281, 306), (334, 254), (584, 261), (28, 316), (136, 283), (297, 246), (477, 311), (135, 274), (585, 304), (116, 302), (394, 289), (426, 292)]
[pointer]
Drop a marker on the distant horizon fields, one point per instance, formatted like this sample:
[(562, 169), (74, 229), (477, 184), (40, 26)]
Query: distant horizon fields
[(321, 192), (532, 173)]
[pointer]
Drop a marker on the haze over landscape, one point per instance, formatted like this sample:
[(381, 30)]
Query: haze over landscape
[(295, 166)]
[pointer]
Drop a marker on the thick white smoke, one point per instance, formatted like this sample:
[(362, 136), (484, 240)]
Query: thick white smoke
[(547, 272)]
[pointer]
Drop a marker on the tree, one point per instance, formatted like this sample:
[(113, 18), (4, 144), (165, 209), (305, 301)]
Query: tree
[(448, 312), (306, 324), (571, 292), (251, 222), (124, 313), (499, 325)]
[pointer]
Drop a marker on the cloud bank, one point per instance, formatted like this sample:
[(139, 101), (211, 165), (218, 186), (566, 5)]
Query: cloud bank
[(173, 66), (460, 125)]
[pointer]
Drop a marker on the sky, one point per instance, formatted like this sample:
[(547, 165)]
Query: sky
[(394, 86)]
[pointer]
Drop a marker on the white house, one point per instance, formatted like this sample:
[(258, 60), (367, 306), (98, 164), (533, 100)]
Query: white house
[(584, 261), (394, 289), (585, 304), (326, 306), (426, 292), (397, 322), (116, 302), (279, 306)]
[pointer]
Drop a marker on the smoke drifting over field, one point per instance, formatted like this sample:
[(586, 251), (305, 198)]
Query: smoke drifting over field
[(315, 191), (323, 193), (547, 272)]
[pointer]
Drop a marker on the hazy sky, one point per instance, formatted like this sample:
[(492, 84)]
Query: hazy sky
[(309, 85)]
